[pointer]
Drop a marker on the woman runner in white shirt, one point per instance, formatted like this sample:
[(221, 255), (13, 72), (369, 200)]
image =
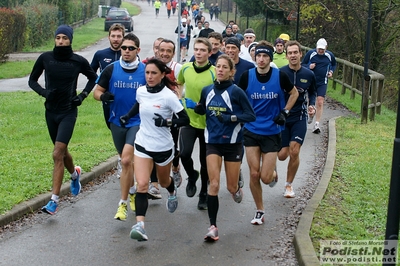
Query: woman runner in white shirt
[(156, 104)]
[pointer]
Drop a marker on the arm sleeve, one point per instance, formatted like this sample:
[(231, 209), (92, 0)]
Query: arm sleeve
[(306, 60), (333, 62), (105, 76), (312, 91), (244, 80), (90, 74), (95, 63), (37, 71), (248, 114), (200, 108), (133, 111), (180, 119), (286, 84)]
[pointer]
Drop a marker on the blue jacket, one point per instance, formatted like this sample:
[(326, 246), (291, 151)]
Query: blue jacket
[(323, 64)]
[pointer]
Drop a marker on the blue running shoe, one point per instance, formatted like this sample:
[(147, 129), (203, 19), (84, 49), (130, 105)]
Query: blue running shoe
[(172, 202), (138, 232), (51, 207), (75, 183)]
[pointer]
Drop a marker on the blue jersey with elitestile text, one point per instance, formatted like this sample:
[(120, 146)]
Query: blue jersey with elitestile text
[(267, 99), (124, 86)]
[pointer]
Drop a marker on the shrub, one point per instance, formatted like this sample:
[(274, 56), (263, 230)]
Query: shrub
[(42, 20), (12, 26)]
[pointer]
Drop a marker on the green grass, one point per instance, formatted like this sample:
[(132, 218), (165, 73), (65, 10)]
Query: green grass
[(17, 69), (26, 148), (84, 36), (355, 204)]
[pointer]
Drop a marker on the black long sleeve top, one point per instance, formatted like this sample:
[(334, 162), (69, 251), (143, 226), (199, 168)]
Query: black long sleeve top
[(61, 77)]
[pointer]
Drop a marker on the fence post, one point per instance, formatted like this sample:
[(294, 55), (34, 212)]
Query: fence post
[(374, 96), (380, 96), (365, 99), (344, 75), (354, 79)]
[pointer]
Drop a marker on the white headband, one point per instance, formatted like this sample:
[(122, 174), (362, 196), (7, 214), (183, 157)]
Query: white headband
[(249, 34)]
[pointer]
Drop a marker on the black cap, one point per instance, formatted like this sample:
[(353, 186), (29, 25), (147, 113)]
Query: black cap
[(234, 41)]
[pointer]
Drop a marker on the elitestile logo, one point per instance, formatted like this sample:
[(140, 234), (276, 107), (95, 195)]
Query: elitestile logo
[(358, 252)]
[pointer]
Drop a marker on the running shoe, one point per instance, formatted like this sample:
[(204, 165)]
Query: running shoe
[(289, 193), (273, 182), (75, 183), (316, 129), (258, 218), (132, 203), (212, 234), (241, 181), (122, 212), (191, 185), (238, 196), (138, 232), (177, 178), (172, 202), (310, 119), (202, 205), (119, 168), (153, 192), (51, 207)]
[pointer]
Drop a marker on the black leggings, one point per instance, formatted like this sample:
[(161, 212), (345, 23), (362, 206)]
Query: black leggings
[(188, 136)]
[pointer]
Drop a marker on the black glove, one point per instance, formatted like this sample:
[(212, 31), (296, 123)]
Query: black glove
[(78, 99), (223, 118), (280, 119), (198, 109), (107, 97), (124, 120), (48, 94), (159, 120)]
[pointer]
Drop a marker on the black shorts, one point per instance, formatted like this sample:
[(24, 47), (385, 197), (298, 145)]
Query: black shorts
[(272, 143), (61, 126), (122, 136), (294, 131), (161, 158), (321, 90), (231, 152)]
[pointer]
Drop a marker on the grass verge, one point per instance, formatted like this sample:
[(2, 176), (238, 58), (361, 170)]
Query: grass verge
[(26, 149), (355, 204), (84, 36)]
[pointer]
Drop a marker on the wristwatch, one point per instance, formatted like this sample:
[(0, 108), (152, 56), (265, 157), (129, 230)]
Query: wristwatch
[(233, 118), (169, 122), (286, 112)]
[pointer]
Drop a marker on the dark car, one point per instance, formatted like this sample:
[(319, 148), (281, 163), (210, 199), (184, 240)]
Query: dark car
[(118, 16)]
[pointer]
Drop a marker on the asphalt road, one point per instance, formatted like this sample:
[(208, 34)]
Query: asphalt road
[(84, 232)]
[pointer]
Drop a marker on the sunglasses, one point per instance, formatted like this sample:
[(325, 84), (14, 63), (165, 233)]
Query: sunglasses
[(130, 48)]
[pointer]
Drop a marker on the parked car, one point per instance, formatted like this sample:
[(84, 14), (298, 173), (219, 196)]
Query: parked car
[(119, 16)]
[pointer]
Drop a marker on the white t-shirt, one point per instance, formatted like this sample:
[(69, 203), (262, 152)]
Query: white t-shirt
[(195, 32), (165, 103), (244, 53)]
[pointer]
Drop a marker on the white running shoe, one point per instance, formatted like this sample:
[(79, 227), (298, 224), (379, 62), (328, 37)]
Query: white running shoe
[(316, 129), (289, 193), (258, 218)]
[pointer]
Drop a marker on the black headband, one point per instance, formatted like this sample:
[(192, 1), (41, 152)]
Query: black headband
[(266, 50)]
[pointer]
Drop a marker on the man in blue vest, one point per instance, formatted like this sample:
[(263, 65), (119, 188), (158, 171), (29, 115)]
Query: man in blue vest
[(323, 63), (265, 87), (117, 85)]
